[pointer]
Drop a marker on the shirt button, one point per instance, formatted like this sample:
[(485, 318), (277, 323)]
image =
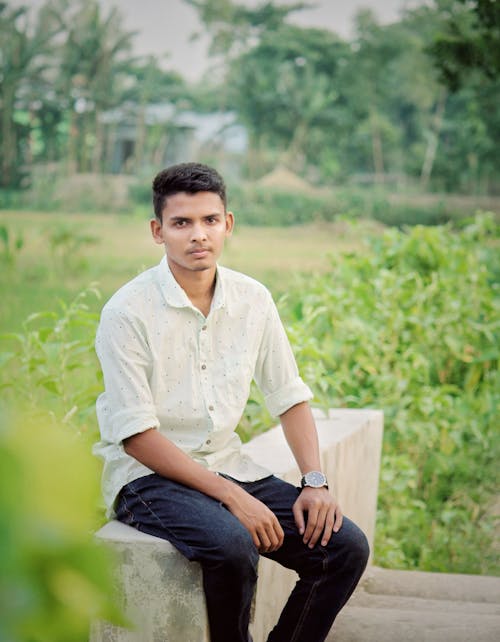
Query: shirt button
[(210, 407), (203, 366), (209, 441), (204, 327)]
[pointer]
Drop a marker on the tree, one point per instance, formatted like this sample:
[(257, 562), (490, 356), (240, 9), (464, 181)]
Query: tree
[(284, 90), (95, 52), (233, 26), (468, 42), (25, 47), (151, 84), (466, 52)]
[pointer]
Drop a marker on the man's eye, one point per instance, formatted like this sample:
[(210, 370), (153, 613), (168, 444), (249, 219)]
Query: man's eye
[(211, 220), (180, 223)]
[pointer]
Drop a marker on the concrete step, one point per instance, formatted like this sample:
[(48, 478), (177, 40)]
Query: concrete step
[(411, 606)]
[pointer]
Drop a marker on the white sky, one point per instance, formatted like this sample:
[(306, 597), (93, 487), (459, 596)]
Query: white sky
[(165, 26)]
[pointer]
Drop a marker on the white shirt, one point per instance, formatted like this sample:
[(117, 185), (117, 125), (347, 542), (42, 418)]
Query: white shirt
[(168, 367)]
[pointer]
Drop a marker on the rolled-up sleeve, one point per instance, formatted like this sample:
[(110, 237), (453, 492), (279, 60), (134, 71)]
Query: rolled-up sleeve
[(126, 407), (276, 371)]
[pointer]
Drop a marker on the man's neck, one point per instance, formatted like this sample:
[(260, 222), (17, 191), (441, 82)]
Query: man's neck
[(198, 286)]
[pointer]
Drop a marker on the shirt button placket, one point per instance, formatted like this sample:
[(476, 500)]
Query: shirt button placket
[(203, 367)]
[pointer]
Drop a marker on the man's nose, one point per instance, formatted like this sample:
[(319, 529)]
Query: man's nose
[(198, 232)]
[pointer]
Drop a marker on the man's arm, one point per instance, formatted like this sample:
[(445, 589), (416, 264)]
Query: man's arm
[(158, 453), (323, 512)]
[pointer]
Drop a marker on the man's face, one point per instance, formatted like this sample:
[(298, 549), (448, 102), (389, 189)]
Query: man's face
[(193, 230)]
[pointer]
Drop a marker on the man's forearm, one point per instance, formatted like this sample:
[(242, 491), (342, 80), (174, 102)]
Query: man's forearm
[(158, 453), (316, 512), (162, 456), (302, 437)]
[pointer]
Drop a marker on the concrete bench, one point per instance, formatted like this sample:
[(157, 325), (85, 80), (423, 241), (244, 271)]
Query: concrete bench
[(161, 591)]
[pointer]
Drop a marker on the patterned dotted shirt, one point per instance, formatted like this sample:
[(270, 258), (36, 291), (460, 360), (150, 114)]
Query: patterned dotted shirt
[(167, 366)]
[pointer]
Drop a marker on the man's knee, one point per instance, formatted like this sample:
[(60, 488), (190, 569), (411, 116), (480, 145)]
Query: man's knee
[(353, 546), (360, 549), (235, 552), (240, 551)]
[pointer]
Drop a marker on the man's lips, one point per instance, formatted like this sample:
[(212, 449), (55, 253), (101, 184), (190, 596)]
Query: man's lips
[(199, 251)]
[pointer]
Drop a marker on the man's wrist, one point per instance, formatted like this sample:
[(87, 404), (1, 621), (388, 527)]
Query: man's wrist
[(314, 479), (229, 492)]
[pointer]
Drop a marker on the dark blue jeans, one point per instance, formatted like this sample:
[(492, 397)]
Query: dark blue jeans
[(202, 529)]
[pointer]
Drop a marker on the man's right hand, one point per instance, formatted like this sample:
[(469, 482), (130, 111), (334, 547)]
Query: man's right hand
[(256, 517), (158, 453)]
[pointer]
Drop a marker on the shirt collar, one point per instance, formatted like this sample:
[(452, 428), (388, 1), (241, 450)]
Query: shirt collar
[(176, 297)]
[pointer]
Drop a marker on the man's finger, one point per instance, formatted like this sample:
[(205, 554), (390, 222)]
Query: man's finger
[(279, 534), (312, 519), (299, 518), (318, 528), (265, 543), (338, 519), (329, 523)]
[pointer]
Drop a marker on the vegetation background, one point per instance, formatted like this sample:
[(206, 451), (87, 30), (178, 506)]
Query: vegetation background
[(358, 196)]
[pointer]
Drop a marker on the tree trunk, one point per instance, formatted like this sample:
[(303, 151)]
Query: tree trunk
[(8, 144), (294, 154), (97, 152), (432, 142), (377, 150), (141, 137), (72, 142)]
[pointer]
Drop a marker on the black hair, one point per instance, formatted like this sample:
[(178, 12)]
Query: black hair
[(186, 177)]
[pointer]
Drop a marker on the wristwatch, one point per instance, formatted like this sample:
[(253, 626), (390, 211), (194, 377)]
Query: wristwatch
[(314, 479)]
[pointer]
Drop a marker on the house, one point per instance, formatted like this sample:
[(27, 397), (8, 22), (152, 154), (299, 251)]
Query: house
[(156, 135)]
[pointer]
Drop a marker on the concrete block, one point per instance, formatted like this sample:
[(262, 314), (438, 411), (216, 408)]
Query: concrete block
[(161, 591)]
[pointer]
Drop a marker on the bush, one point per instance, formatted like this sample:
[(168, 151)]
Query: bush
[(411, 327), (54, 578), (278, 207)]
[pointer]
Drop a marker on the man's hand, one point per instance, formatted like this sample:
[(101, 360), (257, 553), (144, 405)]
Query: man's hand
[(323, 515), (261, 522)]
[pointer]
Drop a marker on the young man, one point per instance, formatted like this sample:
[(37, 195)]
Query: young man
[(179, 346)]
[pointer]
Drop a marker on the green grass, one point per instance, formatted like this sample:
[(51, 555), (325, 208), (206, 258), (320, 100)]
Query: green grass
[(406, 322), (110, 249)]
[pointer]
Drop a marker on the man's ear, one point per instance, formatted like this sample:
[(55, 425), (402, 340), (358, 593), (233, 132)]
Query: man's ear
[(155, 226), (229, 223)]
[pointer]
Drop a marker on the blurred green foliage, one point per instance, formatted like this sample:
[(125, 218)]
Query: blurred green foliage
[(259, 205), (264, 206), (9, 246), (416, 98), (50, 368), (54, 578), (412, 327)]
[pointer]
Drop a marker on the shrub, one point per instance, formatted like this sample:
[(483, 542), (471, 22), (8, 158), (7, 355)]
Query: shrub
[(411, 327), (51, 370), (54, 578)]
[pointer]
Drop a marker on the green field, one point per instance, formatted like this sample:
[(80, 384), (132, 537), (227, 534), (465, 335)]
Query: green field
[(62, 254), (404, 321)]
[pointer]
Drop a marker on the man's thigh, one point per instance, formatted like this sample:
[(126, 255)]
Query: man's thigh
[(200, 527), (279, 496)]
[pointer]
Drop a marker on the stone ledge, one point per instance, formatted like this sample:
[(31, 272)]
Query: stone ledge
[(161, 591)]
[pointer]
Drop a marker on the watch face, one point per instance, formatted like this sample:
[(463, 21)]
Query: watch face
[(314, 479)]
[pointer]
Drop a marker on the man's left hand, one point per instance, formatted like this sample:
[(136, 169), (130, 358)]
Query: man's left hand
[(323, 515)]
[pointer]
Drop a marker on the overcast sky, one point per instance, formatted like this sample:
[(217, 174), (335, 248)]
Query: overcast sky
[(165, 26)]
